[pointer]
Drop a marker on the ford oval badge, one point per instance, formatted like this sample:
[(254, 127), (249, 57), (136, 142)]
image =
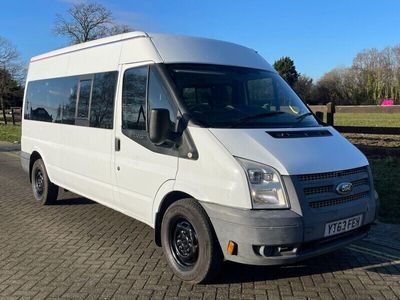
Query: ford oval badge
[(344, 188)]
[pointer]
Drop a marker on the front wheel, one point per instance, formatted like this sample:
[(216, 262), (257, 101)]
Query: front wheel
[(44, 190), (189, 242)]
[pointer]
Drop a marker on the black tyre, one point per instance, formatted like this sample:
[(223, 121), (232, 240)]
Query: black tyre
[(44, 190), (189, 242)]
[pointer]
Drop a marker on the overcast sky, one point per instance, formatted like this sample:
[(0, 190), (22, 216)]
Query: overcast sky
[(318, 35)]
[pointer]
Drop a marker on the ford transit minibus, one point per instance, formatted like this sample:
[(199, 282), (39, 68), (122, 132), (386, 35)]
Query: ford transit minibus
[(200, 139)]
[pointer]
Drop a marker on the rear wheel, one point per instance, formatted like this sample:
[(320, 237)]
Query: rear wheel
[(189, 242), (44, 190)]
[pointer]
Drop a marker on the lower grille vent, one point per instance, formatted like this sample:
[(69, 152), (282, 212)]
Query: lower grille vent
[(337, 201)]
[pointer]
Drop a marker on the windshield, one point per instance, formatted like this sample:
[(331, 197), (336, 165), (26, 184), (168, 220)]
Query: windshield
[(236, 97)]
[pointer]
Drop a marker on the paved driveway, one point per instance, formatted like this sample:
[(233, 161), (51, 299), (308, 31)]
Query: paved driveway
[(80, 249)]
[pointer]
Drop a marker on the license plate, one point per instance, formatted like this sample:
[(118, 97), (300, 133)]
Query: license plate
[(343, 225)]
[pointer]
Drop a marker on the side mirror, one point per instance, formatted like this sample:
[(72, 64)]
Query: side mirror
[(160, 129)]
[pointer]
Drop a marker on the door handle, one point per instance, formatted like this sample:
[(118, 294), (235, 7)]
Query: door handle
[(117, 144)]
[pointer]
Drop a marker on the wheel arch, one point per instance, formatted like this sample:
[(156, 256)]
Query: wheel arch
[(166, 202), (33, 157)]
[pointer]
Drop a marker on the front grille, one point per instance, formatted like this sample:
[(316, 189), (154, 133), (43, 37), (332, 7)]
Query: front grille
[(330, 188), (319, 190), (327, 175), (337, 201), (360, 182)]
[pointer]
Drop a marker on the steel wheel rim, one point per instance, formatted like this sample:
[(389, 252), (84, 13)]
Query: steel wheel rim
[(184, 243), (39, 182)]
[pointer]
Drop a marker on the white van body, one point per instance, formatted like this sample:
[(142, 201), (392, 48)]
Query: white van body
[(109, 167)]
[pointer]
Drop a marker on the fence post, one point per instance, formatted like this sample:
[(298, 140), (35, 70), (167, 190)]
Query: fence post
[(12, 115), (330, 113), (319, 115), (4, 115)]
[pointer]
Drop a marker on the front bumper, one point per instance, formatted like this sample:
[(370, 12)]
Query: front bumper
[(278, 229)]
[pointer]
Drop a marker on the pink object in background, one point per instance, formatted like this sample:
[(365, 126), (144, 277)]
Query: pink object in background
[(387, 102)]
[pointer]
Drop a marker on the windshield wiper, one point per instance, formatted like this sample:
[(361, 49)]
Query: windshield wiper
[(258, 116), (302, 116)]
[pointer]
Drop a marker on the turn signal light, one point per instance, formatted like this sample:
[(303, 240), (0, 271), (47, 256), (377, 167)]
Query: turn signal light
[(232, 248)]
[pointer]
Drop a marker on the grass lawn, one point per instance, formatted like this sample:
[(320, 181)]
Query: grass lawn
[(377, 120), (386, 172), (10, 133)]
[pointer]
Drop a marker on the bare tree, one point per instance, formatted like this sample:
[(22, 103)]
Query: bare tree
[(373, 76), (10, 71), (8, 53), (10, 60), (87, 21)]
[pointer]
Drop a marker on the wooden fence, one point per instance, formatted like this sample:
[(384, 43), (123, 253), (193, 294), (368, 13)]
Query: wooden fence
[(330, 109), (12, 115)]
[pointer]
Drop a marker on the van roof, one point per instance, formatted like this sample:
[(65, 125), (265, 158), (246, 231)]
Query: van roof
[(90, 44), (177, 49)]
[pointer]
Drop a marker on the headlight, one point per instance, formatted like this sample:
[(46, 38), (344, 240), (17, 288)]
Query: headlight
[(265, 185)]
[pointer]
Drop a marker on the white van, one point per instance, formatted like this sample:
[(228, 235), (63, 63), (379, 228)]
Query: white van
[(201, 140)]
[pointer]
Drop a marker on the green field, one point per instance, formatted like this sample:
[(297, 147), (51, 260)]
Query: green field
[(377, 120), (386, 178), (10, 133)]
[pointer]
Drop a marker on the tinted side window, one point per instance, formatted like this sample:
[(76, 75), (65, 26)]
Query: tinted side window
[(103, 95), (84, 98), (55, 100), (70, 105), (48, 100), (133, 99)]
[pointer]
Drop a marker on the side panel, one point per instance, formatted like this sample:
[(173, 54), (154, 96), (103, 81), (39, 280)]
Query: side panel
[(164, 190), (92, 60), (215, 177), (96, 60), (85, 162), (78, 158), (48, 68), (44, 138), (139, 50)]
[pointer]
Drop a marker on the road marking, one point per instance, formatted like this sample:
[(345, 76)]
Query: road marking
[(368, 252), (374, 253)]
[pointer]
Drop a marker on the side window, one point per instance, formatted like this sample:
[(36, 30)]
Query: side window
[(159, 97), (69, 107), (73, 100), (134, 102), (51, 100), (103, 95), (82, 114)]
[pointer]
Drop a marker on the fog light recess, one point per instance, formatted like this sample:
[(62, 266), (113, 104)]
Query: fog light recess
[(269, 251)]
